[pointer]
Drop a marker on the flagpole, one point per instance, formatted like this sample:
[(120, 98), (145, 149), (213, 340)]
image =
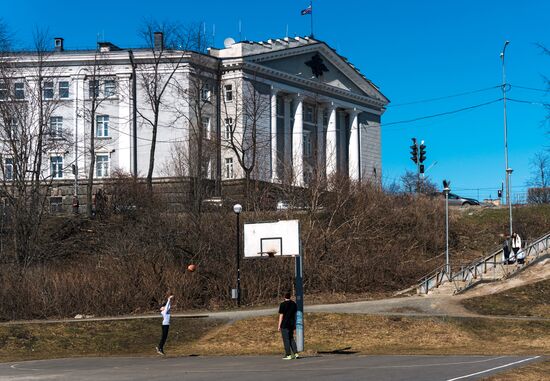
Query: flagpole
[(311, 18)]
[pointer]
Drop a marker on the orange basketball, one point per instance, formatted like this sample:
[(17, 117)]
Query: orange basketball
[(191, 268)]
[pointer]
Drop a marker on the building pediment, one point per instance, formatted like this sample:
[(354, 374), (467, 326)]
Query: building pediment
[(319, 63)]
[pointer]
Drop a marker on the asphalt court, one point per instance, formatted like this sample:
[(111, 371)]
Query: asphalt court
[(268, 368)]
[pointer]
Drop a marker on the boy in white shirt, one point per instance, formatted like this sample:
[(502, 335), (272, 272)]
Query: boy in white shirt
[(165, 312)]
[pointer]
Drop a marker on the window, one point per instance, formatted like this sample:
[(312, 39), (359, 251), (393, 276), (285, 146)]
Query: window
[(56, 204), (228, 168), (102, 165), (228, 127), (102, 126), (228, 93), (47, 90), (19, 90), (206, 127), (207, 167), (307, 144), (12, 129), (109, 88), (56, 126), (93, 87), (280, 106), (3, 91), (56, 167), (205, 92), (63, 89), (308, 114), (8, 169)]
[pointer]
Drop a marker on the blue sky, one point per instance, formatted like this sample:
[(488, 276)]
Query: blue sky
[(413, 50)]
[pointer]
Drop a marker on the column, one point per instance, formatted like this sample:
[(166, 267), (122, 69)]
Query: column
[(353, 146), (341, 157), (330, 149), (125, 133), (288, 139), (298, 142), (320, 142), (274, 135)]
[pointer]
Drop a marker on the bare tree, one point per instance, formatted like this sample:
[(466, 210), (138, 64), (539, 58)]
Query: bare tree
[(197, 107), (167, 45), (540, 178), (29, 133), (412, 183), (101, 87), (247, 133)]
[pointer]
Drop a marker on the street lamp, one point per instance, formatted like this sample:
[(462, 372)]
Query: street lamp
[(237, 208), (446, 190), (507, 169)]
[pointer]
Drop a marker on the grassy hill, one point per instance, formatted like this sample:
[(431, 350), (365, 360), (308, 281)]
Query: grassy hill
[(358, 243), (532, 300)]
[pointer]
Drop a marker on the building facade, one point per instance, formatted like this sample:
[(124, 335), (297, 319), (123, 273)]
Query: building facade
[(287, 109)]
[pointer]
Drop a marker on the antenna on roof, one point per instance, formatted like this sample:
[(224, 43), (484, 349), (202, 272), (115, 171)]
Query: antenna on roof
[(213, 34), (240, 31), (286, 34)]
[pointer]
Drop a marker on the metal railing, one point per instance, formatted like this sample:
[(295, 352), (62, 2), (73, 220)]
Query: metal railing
[(475, 271), (432, 280)]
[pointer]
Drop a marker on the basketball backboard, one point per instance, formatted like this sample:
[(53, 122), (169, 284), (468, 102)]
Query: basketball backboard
[(268, 239)]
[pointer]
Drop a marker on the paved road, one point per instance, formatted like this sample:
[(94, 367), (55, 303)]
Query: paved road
[(265, 368)]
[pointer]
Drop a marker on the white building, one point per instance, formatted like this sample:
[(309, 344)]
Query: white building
[(293, 109)]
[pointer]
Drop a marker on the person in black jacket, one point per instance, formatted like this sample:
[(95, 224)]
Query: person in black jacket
[(506, 248), (287, 325)]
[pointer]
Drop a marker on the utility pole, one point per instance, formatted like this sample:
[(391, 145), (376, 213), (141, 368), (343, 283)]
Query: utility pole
[(421, 159), (508, 169), (134, 113)]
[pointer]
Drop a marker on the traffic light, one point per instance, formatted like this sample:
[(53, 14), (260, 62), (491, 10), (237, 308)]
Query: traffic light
[(499, 193), (421, 168), (414, 151), (422, 152)]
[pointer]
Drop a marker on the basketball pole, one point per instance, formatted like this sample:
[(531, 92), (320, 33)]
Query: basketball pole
[(298, 264)]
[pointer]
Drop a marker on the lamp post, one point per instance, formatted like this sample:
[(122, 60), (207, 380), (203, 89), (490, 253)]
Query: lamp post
[(237, 208), (446, 190), (507, 169)]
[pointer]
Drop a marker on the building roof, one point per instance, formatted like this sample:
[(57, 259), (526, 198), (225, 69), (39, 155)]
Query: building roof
[(248, 48)]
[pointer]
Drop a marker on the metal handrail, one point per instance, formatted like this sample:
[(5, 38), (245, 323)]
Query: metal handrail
[(531, 250), (436, 277), (477, 268)]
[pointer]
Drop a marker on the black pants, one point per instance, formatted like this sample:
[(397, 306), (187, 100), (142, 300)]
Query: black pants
[(515, 250), (164, 337), (288, 341)]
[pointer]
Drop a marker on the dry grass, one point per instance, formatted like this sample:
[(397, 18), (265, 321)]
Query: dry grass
[(95, 338), (530, 300), (533, 372), (323, 333), (384, 335)]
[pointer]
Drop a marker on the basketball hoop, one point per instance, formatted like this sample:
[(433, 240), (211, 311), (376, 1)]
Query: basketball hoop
[(270, 253)]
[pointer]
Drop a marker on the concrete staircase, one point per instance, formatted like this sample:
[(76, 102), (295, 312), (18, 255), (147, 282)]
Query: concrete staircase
[(487, 269)]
